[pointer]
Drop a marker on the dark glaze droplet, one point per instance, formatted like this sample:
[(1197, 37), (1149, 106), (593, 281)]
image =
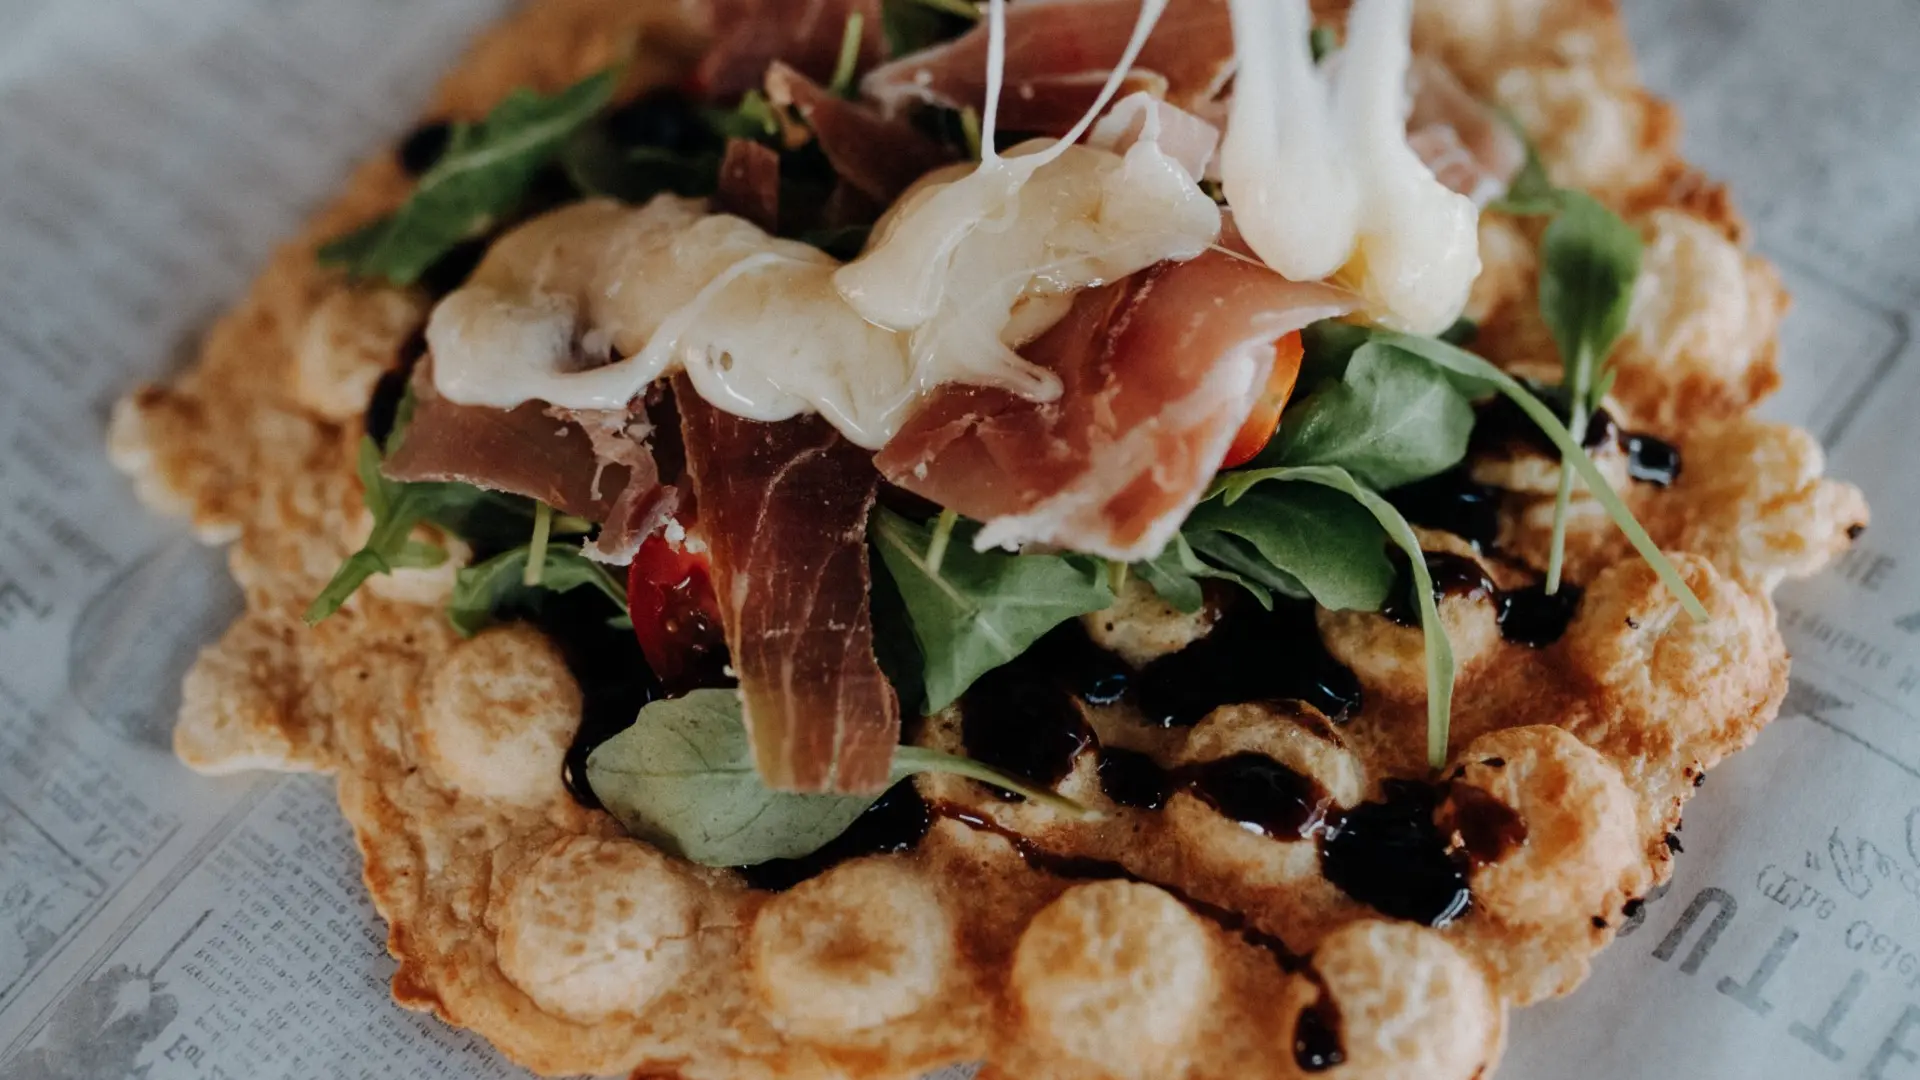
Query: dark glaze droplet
[(1599, 923), (1131, 778), (1084, 669), (1856, 530), (424, 146), (615, 682), (1262, 795), (1318, 1035), (1673, 845), (383, 406), (1022, 719), (896, 822), (1528, 616), (1700, 780), (665, 118), (1633, 907), (1453, 575), (1652, 461), (1390, 856), (1252, 655), (1453, 503), (1488, 828), (1503, 428)]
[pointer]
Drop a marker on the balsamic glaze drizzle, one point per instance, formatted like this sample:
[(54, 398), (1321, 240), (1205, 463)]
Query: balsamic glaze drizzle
[(1502, 428), (896, 822), (1318, 1035), (1527, 615), (1252, 655), (1391, 856)]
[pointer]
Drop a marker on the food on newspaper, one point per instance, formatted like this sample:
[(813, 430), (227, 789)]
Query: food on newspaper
[(1185, 538)]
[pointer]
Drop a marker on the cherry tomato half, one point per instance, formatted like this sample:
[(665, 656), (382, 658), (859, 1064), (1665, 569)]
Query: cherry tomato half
[(675, 613), (1264, 420)]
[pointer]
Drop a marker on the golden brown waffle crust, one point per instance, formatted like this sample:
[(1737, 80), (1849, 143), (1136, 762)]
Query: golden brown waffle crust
[(520, 915)]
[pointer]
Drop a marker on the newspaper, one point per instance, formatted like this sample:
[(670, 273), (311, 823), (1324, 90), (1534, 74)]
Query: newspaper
[(157, 924)]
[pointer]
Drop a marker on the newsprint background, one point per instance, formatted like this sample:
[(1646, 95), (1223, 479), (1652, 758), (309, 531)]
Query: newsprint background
[(153, 924)]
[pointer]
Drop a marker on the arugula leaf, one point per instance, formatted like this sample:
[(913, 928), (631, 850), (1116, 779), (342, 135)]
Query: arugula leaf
[(485, 518), (1320, 539), (1390, 419), (597, 164), (1531, 194), (486, 171), (1589, 261), (396, 509), (981, 609), (1174, 575), (1327, 347), (752, 119), (1439, 650), (1474, 367), (1322, 41), (682, 777), (489, 591), (913, 25), (847, 64), (1236, 560)]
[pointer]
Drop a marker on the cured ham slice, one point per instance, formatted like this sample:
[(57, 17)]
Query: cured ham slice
[(589, 464), (750, 34), (879, 156), (1466, 143), (782, 508), (1059, 52), (750, 183), (1157, 372)]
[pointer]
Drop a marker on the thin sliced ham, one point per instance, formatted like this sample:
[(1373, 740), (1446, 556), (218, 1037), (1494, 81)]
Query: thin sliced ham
[(750, 183), (1466, 143), (589, 464), (1157, 371), (1059, 52), (782, 508), (751, 34), (879, 156)]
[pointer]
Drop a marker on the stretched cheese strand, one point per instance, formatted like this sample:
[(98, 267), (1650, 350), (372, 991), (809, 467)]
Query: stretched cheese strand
[(1319, 173)]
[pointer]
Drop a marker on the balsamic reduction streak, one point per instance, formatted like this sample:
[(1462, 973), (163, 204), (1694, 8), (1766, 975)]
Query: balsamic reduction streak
[(1503, 428), (1252, 655), (1318, 1042), (1391, 856), (1527, 615), (896, 822)]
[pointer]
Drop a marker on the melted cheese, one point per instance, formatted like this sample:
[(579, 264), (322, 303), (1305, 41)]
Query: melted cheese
[(587, 306), (1318, 171)]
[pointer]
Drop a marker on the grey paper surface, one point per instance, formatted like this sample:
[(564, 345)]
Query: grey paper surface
[(157, 924)]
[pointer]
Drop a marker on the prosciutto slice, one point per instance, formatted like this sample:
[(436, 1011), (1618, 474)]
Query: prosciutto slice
[(879, 156), (750, 34), (782, 508), (588, 464), (1059, 52), (750, 183), (1158, 372)]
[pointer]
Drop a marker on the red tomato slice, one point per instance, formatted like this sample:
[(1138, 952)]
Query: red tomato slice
[(1254, 435), (675, 614)]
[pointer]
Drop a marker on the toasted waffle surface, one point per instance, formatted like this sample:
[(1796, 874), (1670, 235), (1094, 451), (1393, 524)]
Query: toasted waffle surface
[(1167, 942)]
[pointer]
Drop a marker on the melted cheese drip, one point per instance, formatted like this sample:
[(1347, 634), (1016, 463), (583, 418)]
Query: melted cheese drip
[(970, 264), (1317, 167)]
